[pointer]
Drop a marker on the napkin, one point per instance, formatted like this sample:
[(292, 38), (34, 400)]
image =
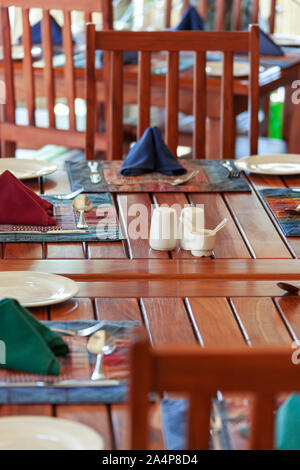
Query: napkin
[(20, 205), (287, 430), (30, 346), (150, 153), (36, 35), (191, 21), (268, 47)]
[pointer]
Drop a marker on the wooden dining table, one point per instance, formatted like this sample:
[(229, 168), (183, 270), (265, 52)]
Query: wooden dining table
[(230, 299)]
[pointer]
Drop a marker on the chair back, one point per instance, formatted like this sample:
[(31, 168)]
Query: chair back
[(199, 373), (24, 82), (199, 42)]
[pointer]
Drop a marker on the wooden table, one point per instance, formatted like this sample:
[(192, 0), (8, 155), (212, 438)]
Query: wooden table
[(250, 235), (256, 314)]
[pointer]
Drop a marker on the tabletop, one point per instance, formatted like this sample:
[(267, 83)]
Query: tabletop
[(257, 317), (252, 233)]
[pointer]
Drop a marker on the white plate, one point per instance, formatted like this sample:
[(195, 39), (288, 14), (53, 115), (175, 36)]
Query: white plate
[(280, 164), (24, 168), (41, 433), (33, 289), (215, 68), (286, 39)]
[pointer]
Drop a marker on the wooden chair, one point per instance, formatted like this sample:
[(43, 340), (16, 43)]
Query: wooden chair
[(173, 42), (10, 132), (200, 373)]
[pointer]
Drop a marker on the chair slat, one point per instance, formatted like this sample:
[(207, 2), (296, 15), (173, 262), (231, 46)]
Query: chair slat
[(199, 421), (27, 67), (262, 423), (203, 9), (272, 16), (172, 101), (8, 67), (199, 111), (255, 11), (144, 89), (48, 69), (237, 20), (253, 99), (107, 14), (220, 15), (168, 9), (90, 93), (227, 112), (116, 102), (69, 69)]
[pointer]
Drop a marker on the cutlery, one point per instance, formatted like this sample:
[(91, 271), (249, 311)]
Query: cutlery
[(62, 383), (66, 197), (231, 168), (100, 344), (82, 204), (94, 176), (220, 225), (82, 332), (292, 212), (176, 182), (288, 287)]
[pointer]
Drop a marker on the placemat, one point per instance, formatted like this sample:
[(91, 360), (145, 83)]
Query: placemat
[(212, 177), (16, 387), (102, 221), (278, 201)]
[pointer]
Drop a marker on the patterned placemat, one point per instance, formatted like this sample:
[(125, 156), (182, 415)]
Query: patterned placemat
[(212, 177), (280, 201), (102, 221), (16, 387)]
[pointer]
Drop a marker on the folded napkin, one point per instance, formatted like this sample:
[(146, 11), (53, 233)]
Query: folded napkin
[(191, 21), (30, 346), (268, 47), (287, 431), (36, 35), (150, 153), (20, 205)]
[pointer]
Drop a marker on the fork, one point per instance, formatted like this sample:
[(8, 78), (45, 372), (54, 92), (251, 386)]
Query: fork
[(82, 332), (66, 197), (231, 168)]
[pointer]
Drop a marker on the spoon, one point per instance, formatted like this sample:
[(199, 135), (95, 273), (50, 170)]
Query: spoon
[(102, 344), (82, 204), (288, 287), (220, 225)]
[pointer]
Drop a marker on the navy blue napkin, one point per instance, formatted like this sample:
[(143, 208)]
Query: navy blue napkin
[(150, 153), (36, 35), (141, 157), (268, 47), (191, 21)]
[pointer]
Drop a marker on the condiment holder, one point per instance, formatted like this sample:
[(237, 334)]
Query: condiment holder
[(191, 220), (163, 230)]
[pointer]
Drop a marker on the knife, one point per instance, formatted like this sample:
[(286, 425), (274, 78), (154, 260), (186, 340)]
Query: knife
[(62, 383)]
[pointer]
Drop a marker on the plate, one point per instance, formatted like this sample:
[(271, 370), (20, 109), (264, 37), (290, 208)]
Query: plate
[(286, 39), (17, 52), (25, 169), (280, 164), (43, 433), (34, 289), (215, 68)]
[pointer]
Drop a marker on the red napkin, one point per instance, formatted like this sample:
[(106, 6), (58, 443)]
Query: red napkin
[(20, 205)]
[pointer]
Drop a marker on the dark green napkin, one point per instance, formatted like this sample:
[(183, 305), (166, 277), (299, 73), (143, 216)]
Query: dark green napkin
[(287, 431), (30, 346)]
